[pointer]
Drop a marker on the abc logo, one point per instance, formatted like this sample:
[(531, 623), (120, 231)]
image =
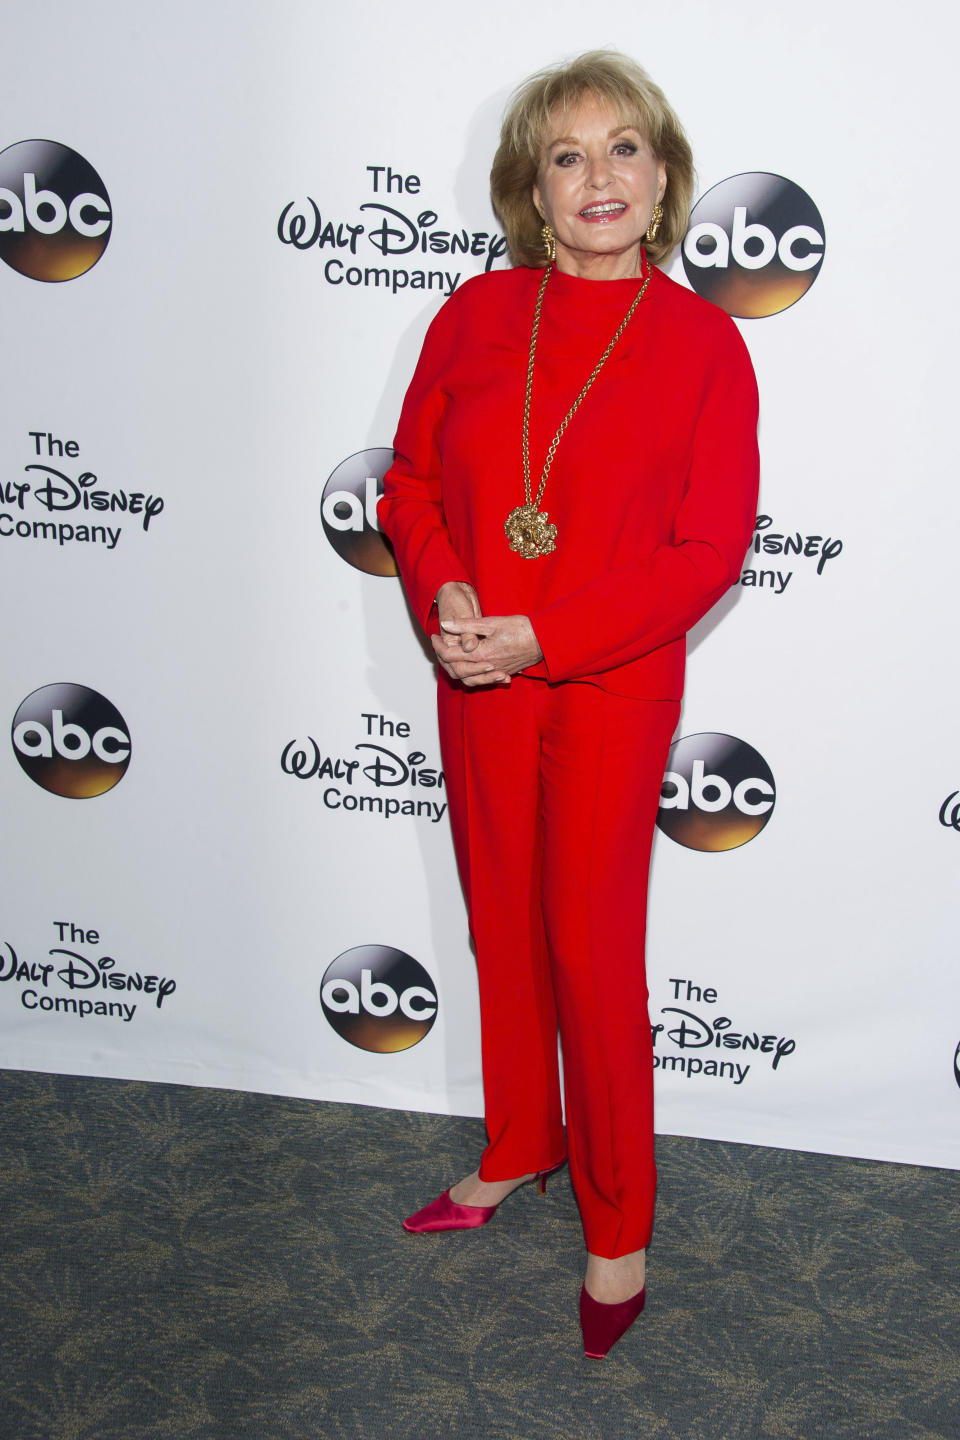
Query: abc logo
[(717, 794), (349, 511), (378, 998), (71, 741), (54, 212), (755, 244)]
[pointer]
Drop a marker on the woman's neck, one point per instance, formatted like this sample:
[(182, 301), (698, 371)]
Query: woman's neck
[(589, 265)]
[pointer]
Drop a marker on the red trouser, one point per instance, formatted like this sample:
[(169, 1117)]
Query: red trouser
[(553, 793)]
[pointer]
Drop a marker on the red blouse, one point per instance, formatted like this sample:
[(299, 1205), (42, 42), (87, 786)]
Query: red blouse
[(653, 488)]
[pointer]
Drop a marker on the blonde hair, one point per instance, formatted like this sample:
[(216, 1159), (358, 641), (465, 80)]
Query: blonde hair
[(533, 112)]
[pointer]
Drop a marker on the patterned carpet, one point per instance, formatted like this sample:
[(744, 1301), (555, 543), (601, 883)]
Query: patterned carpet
[(186, 1264)]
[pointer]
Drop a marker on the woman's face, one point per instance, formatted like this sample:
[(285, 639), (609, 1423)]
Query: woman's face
[(597, 185)]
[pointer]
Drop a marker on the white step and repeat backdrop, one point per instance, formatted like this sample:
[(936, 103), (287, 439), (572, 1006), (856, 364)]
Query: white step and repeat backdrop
[(224, 229)]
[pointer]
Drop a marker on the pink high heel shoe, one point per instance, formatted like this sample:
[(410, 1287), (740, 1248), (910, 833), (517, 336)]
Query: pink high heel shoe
[(445, 1214), (603, 1325)]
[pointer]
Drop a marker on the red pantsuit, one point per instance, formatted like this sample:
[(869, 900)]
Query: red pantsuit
[(554, 781), (553, 793)]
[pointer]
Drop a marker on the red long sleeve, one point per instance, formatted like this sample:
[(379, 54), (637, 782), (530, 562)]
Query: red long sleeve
[(411, 510), (653, 488)]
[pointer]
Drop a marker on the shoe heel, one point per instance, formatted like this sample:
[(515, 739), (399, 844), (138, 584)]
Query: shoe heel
[(544, 1175)]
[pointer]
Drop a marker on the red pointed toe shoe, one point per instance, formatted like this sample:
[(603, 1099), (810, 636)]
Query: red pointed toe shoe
[(603, 1325), (445, 1214)]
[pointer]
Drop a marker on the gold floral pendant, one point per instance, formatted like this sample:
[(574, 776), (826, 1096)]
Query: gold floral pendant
[(528, 532)]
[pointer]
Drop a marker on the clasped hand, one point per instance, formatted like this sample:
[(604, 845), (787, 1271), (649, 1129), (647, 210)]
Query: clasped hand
[(481, 649)]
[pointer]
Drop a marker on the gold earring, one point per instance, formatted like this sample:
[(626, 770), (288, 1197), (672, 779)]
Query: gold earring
[(655, 219), (549, 242)]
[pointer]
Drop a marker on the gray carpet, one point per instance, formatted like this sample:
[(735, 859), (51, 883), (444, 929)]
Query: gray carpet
[(186, 1264)]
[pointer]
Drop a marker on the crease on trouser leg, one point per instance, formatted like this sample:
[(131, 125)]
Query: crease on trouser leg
[(596, 936), (497, 826)]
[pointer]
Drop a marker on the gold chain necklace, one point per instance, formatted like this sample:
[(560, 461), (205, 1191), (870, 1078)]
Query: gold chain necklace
[(526, 526)]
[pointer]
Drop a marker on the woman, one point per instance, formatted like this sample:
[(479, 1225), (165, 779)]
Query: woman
[(559, 525)]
